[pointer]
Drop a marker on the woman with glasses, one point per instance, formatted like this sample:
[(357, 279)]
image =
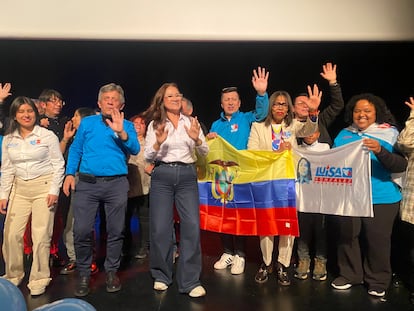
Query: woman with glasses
[(173, 142), (278, 133)]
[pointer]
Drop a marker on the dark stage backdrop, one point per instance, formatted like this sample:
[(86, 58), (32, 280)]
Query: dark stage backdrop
[(201, 69)]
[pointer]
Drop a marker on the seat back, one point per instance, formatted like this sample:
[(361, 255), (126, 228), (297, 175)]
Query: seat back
[(11, 298)]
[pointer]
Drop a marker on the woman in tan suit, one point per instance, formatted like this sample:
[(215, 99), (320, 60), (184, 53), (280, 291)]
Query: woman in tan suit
[(278, 133)]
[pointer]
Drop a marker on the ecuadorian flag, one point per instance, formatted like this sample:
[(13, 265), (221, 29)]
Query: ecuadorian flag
[(246, 192)]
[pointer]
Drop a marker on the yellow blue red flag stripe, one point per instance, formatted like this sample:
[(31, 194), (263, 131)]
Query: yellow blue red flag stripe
[(247, 192)]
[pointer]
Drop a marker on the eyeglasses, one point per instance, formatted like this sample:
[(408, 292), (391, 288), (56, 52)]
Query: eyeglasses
[(280, 105), (56, 101), (229, 89), (174, 96)]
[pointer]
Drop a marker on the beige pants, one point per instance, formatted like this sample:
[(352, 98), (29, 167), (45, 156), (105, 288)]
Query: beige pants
[(285, 249), (28, 198)]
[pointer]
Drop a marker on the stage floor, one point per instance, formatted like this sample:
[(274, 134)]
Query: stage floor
[(225, 292)]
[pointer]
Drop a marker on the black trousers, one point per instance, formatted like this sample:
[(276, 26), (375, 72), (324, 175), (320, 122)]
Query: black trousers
[(364, 247)]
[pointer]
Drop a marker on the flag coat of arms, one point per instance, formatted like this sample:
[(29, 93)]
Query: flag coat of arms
[(335, 182), (244, 192)]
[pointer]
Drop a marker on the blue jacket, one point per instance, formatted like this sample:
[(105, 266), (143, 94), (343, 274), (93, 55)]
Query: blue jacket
[(236, 131)]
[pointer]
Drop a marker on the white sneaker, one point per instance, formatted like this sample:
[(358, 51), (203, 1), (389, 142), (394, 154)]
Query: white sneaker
[(379, 293), (238, 265), (224, 261), (37, 291), (198, 291), (160, 286)]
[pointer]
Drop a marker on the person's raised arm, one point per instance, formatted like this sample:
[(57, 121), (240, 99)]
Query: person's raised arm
[(260, 81), (328, 115), (68, 133), (4, 93)]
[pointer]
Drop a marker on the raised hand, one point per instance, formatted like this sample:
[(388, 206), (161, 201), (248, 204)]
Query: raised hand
[(315, 97), (329, 73), (259, 80), (410, 103), (161, 133), (5, 91), (69, 130), (117, 122), (194, 129)]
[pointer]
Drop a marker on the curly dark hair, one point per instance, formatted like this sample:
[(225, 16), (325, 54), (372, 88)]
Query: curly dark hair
[(382, 113)]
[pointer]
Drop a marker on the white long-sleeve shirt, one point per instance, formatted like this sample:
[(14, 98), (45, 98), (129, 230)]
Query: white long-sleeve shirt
[(316, 146), (27, 158), (177, 147)]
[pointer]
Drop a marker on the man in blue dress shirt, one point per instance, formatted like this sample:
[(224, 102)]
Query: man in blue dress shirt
[(99, 154)]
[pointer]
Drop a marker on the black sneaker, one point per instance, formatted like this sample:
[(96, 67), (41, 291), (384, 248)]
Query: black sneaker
[(82, 287), (263, 274), (341, 283), (113, 283), (282, 275), (69, 268)]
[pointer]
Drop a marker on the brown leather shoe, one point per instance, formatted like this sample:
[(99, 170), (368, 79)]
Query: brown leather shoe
[(113, 284)]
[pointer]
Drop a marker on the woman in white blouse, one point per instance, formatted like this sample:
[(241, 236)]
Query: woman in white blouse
[(31, 176), (173, 142)]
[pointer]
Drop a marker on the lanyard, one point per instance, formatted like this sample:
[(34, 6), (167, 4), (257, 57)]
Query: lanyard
[(277, 138)]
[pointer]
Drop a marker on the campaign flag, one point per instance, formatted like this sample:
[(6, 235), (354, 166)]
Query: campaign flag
[(245, 192), (335, 181)]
